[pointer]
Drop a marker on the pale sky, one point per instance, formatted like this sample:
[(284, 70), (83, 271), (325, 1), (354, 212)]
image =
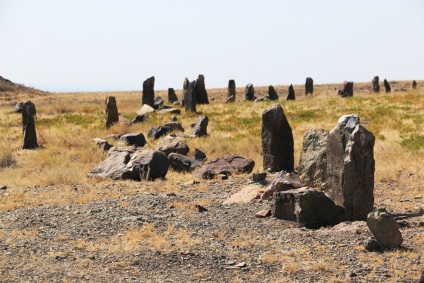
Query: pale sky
[(102, 45)]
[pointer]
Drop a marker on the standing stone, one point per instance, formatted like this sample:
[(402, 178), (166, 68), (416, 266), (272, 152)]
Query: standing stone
[(350, 167), (384, 228), (375, 84), (189, 96), (112, 115), (231, 96), (172, 97), (309, 86), (291, 95), (272, 94), (414, 84), (200, 90), (148, 92), (277, 140), (347, 90), (201, 127), (28, 126), (387, 86), (313, 158), (249, 93)]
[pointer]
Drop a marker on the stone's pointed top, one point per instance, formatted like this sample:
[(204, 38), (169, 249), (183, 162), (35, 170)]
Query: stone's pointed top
[(349, 120)]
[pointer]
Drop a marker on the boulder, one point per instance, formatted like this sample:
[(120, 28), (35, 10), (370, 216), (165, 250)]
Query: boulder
[(308, 207), (159, 131), (113, 166), (291, 95), (28, 126), (201, 127), (350, 167), (173, 144), (384, 228), (172, 97), (387, 86), (313, 158), (148, 96), (283, 181), (199, 155), (277, 140), (139, 119), (226, 165), (272, 94), (136, 139), (146, 165), (309, 86), (245, 195), (200, 91), (112, 115), (189, 101), (375, 84), (249, 93), (145, 109), (182, 163), (102, 144), (158, 102)]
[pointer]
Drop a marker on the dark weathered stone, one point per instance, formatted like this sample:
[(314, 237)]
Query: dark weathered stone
[(309, 207), (414, 84), (309, 86), (376, 84), (28, 126), (112, 115), (347, 90), (200, 91), (146, 165), (272, 94), (159, 131), (18, 107), (199, 155), (148, 92), (139, 119), (313, 158), (189, 96), (350, 167), (201, 127), (371, 245), (182, 163), (387, 86), (136, 139), (172, 97), (283, 181), (102, 144), (249, 93), (384, 228), (421, 279), (231, 92), (277, 140), (158, 102), (173, 144), (226, 165), (113, 166), (291, 95)]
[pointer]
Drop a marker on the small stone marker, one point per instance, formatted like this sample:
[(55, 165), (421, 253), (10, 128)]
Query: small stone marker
[(112, 115)]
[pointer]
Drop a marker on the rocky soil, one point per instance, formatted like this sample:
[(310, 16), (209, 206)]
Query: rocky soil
[(166, 237)]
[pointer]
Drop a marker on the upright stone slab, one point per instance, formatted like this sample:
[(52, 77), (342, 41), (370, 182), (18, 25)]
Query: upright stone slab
[(172, 97), (189, 96), (309, 86), (272, 94), (112, 115), (414, 84), (28, 126), (231, 93), (291, 95), (249, 93), (201, 127), (376, 84), (149, 92), (200, 90), (347, 90), (350, 167), (313, 158), (277, 140), (387, 86)]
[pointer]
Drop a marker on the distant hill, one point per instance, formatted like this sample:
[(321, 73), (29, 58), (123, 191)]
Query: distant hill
[(9, 86)]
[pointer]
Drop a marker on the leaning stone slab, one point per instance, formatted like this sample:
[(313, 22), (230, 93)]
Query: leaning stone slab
[(384, 228), (159, 131), (146, 165), (113, 166), (226, 165), (170, 110), (308, 207), (201, 127)]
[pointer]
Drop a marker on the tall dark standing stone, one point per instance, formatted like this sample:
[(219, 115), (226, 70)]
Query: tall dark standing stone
[(185, 88), (200, 90), (149, 92), (112, 115), (272, 94), (249, 93), (347, 90), (387, 86), (309, 86), (414, 84), (291, 95), (376, 84), (172, 97), (350, 167), (277, 140), (28, 126), (231, 95), (190, 97)]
